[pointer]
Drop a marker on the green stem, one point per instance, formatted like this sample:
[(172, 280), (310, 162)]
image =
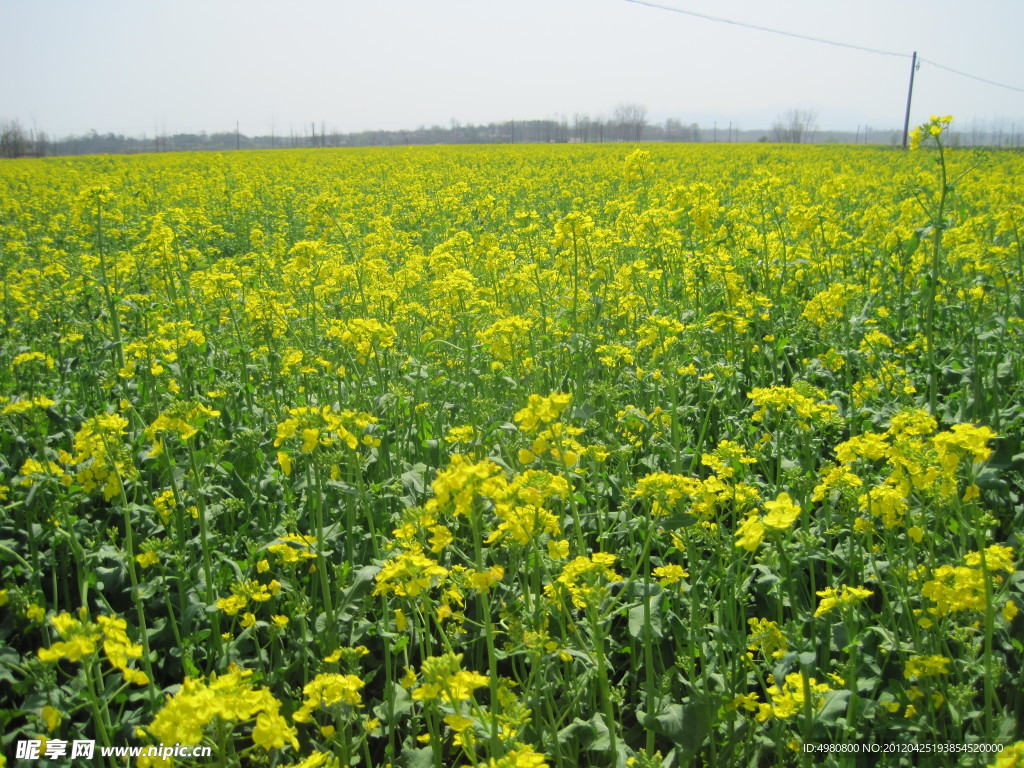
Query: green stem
[(204, 541)]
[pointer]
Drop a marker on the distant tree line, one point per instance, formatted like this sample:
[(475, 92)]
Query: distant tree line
[(627, 123), (16, 141)]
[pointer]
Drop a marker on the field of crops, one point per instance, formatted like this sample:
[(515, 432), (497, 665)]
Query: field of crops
[(515, 456)]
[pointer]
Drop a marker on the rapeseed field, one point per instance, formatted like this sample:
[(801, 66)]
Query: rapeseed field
[(516, 456)]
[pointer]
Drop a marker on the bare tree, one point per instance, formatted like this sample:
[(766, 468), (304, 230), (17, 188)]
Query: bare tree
[(14, 142), (630, 120), (797, 126), (676, 130)]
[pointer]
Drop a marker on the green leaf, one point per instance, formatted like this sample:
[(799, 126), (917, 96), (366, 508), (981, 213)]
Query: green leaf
[(685, 725), (676, 521), (579, 731), (413, 480), (423, 757), (401, 704), (636, 620), (834, 707)]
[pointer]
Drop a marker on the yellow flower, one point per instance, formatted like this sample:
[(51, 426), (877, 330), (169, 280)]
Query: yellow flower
[(273, 732), (285, 461), (782, 512), (310, 440), (1011, 757), (844, 596), (51, 717), (327, 689), (232, 605), (669, 574), (458, 723), (766, 637), (926, 666), (558, 550), (443, 679), (408, 574), (1010, 610), (750, 533), (789, 699), (541, 410), (484, 580), (146, 559)]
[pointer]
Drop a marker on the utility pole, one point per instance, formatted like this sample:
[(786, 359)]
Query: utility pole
[(910, 94), (238, 138)]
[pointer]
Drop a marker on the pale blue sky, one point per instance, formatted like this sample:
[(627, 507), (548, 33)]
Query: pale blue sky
[(136, 66)]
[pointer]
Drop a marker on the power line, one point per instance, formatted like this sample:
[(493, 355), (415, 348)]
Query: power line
[(973, 77), (769, 29), (820, 40)]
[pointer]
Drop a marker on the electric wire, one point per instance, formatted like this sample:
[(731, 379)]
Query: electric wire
[(813, 39), (768, 29), (972, 77)]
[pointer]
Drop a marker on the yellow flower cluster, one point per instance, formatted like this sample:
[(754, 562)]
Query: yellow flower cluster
[(184, 419), (766, 636), (407, 574), (541, 410), (808, 403), (244, 592), (365, 337), (788, 699), (933, 128), (101, 458), (1011, 757), (293, 548), (665, 491), (520, 507), (639, 428), (324, 426), (27, 358), (926, 666), (920, 460), (326, 690), (829, 306), (459, 485), (507, 339), (522, 756), (727, 459), (962, 587), (585, 579), (840, 598), (25, 404), (80, 639), (669, 574), (780, 515), (33, 469), (228, 699), (442, 679)]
